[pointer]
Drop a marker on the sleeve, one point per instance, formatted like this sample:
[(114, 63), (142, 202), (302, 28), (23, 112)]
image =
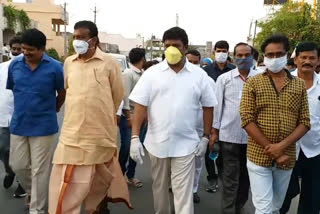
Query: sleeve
[(141, 93), (218, 108), (10, 82), (119, 112), (116, 84), (127, 85), (208, 97), (65, 69), (247, 104), (59, 84), (304, 116)]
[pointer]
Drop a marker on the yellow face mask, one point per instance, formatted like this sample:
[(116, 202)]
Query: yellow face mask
[(173, 55)]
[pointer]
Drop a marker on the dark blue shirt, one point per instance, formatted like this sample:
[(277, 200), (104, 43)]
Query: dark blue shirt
[(35, 96), (214, 71)]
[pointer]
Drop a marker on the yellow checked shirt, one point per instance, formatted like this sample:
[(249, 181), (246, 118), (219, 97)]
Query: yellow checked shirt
[(94, 93), (276, 114)]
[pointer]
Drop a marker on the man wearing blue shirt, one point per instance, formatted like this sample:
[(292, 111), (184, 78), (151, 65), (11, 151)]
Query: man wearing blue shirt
[(35, 79)]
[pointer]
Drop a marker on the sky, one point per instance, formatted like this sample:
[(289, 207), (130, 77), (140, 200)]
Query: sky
[(203, 20)]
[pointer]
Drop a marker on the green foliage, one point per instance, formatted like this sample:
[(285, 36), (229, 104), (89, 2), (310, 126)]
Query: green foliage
[(15, 16), (70, 47), (53, 53), (292, 20)]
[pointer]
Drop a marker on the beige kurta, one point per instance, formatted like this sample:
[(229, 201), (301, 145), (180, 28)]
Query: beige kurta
[(94, 93)]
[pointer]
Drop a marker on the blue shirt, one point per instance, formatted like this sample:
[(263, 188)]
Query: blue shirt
[(35, 96), (214, 71)]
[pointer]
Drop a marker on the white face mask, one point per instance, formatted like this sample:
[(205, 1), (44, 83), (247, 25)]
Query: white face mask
[(275, 65), (221, 57), (80, 46), (13, 56)]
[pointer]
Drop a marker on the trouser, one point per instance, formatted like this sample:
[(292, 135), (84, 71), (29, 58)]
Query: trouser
[(5, 149), (30, 160), (182, 170), (210, 166), (309, 170), (74, 185), (197, 174), (268, 187), (235, 177), (124, 154)]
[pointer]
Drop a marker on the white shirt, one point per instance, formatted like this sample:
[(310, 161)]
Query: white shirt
[(6, 96), (119, 112), (310, 142), (200, 113), (173, 101), (226, 114)]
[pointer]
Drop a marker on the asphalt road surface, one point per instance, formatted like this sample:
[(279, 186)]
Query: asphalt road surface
[(141, 198)]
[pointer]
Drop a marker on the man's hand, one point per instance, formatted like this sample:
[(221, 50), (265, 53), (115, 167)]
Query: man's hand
[(213, 138), (129, 124), (202, 147), (136, 150), (118, 120), (273, 150), (283, 160)]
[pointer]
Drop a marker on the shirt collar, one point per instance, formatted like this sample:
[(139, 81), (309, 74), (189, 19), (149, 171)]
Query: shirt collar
[(227, 65), (289, 75), (98, 54), (44, 57), (135, 69), (316, 77), (164, 65), (235, 72)]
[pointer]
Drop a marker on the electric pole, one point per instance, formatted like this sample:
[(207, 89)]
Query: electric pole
[(255, 31), (177, 19), (95, 14), (65, 29)]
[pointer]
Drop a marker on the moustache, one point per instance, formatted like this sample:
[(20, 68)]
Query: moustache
[(307, 65)]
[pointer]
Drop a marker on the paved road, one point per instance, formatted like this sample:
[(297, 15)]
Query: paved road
[(141, 198)]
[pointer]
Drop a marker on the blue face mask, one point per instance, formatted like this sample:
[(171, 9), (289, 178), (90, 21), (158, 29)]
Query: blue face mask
[(244, 64)]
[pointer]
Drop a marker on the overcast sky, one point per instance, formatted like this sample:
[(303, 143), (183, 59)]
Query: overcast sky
[(203, 20)]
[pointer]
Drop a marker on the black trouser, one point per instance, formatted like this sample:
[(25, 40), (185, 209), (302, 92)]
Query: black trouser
[(5, 149), (235, 177), (210, 166), (309, 170)]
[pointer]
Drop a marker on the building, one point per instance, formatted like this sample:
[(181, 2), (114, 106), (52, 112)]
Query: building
[(116, 43), (46, 16)]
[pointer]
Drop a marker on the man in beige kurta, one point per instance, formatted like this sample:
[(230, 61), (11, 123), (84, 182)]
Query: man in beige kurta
[(85, 167)]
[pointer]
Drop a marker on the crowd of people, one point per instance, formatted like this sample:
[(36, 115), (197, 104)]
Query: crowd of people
[(254, 121)]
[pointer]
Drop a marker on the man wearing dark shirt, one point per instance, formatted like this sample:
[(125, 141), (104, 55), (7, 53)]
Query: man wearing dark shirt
[(214, 70)]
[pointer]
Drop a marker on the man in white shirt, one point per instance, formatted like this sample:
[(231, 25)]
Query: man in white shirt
[(308, 147), (194, 57), (130, 77), (6, 110), (227, 130), (171, 92)]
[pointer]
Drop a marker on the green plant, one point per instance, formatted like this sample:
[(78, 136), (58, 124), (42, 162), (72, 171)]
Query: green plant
[(53, 53), (294, 21), (70, 47), (15, 16)]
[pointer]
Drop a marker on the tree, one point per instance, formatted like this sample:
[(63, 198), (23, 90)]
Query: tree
[(53, 53), (71, 50), (294, 21)]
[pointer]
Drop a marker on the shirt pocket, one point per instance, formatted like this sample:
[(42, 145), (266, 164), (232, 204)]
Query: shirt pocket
[(314, 105), (97, 77), (293, 101), (264, 99)]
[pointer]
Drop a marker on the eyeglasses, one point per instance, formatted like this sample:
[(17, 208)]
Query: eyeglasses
[(275, 55)]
